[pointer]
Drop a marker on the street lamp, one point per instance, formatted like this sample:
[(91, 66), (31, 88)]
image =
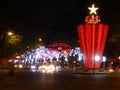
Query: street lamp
[(4, 37), (10, 33), (104, 60), (38, 42), (39, 39)]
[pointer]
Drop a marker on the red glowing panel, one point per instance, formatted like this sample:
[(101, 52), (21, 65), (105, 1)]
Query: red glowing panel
[(92, 40)]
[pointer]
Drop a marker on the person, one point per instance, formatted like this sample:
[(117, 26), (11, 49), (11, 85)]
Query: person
[(11, 77)]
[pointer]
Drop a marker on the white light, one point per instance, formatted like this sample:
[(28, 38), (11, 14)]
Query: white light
[(47, 68), (33, 67), (111, 70), (104, 58), (119, 57), (79, 57), (15, 66), (20, 66), (97, 58), (17, 56), (66, 59), (10, 60)]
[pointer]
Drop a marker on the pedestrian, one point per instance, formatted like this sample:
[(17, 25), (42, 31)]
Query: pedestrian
[(11, 77)]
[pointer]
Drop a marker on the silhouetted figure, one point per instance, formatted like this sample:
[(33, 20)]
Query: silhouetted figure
[(11, 77)]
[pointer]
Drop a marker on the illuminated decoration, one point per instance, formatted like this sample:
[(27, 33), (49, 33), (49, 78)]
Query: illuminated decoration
[(92, 37), (45, 55), (60, 47), (93, 18), (92, 9)]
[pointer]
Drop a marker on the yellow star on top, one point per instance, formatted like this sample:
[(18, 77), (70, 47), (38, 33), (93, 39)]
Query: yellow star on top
[(92, 9)]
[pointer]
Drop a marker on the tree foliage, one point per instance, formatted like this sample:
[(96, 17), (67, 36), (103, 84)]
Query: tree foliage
[(12, 45), (114, 42)]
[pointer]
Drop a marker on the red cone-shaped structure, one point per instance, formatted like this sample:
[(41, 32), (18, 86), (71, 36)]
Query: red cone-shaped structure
[(92, 37), (92, 40)]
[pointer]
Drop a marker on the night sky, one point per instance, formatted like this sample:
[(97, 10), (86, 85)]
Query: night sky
[(55, 20)]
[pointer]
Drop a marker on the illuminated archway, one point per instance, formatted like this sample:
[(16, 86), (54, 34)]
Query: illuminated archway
[(62, 47)]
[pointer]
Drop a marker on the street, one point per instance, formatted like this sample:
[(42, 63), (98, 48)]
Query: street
[(28, 80)]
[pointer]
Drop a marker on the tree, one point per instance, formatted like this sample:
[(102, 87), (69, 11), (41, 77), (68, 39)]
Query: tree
[(12, 44), (114, 42)]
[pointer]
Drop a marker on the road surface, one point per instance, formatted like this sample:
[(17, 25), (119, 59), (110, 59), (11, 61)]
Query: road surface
[(28, 80)]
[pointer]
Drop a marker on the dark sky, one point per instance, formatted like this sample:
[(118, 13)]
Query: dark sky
[(56, 19)]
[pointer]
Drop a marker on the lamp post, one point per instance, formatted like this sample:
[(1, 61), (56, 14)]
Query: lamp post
[(80, 60), (39, 42), (104, 60)]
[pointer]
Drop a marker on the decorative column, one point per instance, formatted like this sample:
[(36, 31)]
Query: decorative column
[(92, 37)]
